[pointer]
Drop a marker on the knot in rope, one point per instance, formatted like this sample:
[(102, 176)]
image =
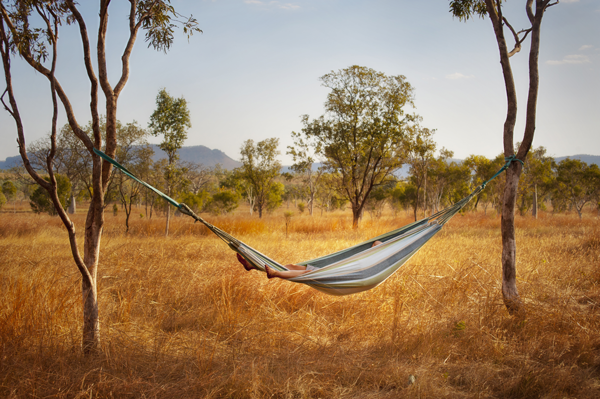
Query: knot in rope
[(512, 158), (508, 160)]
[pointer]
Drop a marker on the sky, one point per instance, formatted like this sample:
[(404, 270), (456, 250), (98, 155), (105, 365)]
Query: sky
[(255, 69)]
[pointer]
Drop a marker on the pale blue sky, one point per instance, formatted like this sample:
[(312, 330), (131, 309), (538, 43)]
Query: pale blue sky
[(255, 70)]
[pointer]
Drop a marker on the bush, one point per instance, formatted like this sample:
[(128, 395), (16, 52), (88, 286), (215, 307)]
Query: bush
[(40, 199), (195, 201), (223, 202), (2, 200)]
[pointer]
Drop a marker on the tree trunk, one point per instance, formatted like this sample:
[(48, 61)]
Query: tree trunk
[(72, 205), (510, 294), (91, 320), (168, 218), (534, 212), (355, 218)]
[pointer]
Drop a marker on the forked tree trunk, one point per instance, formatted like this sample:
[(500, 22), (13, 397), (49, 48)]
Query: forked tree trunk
[(494, 8)]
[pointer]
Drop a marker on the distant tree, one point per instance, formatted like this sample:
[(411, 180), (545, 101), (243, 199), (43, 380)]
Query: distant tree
[(363, 133), (538, 179), (420, 155), (9, 190), (223, 202), (378, 198), (275, 196), (328, 198), (303, 166), (201, 178), (171, 119), (439, 179), (30, 29), (577, 182), (464, 10), (259, 170), (404, 195), (2, 200), (196, 201), (136, 155)]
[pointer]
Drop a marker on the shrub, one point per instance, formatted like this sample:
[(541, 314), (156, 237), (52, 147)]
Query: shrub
[(40, 199), (223, 202)]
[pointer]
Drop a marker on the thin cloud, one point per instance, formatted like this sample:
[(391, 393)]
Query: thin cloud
[(457, 75), (570, 59), (273, 4), (585, 47)]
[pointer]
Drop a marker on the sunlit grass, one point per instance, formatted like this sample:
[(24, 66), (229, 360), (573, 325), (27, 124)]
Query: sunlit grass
[(181, 318)]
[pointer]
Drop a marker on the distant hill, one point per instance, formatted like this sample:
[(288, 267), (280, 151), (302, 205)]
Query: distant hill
[(10, 162), (201, 155), (196, 154), (589, 159)]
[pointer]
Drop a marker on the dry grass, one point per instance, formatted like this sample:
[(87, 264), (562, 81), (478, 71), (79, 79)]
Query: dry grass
[(181, 318)]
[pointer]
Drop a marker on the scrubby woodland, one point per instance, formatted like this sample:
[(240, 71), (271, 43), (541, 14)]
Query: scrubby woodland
[(168, 312), (181, 318)]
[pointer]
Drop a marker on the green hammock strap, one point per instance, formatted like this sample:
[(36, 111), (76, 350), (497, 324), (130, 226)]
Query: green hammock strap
[(508, 160), (183, 208), (440, 217)]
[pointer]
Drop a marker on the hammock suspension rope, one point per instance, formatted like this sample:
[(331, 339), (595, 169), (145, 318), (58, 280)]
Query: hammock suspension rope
[(351, 270)]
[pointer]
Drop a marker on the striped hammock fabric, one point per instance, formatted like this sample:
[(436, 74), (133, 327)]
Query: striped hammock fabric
[(349, 271)]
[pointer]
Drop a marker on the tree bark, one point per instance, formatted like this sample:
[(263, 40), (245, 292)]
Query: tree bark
[(72, 205), (534, 211), (510, 293), (168, 219)]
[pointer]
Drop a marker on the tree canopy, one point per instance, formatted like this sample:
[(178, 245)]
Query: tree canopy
[(259, 169), (364, 130)]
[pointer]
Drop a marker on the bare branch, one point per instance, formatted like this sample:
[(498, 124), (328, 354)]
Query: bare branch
[(528, 8), (90, 70)]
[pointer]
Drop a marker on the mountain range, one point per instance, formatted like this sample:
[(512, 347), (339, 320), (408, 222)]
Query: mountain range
[(207, 157), (195, 154)]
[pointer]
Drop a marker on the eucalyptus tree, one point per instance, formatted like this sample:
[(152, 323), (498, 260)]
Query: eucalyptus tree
[(9, 190), (171, 119), (534, 10), (259, 169), (538, 177), (420, 155), (363, 133), (30, 29), (136, 155), (577, 183), (304, 167)]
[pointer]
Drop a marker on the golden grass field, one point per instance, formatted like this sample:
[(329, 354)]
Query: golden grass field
[(181, 318)]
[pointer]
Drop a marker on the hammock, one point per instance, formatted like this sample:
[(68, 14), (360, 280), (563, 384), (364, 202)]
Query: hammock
[(349, 271)]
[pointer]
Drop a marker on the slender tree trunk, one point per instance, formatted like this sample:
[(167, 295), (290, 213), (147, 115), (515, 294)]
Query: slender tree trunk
[(355, 217), (168, 218), (534, 212), (510, 293), (91, 319), (507, 226), (72, 205)]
